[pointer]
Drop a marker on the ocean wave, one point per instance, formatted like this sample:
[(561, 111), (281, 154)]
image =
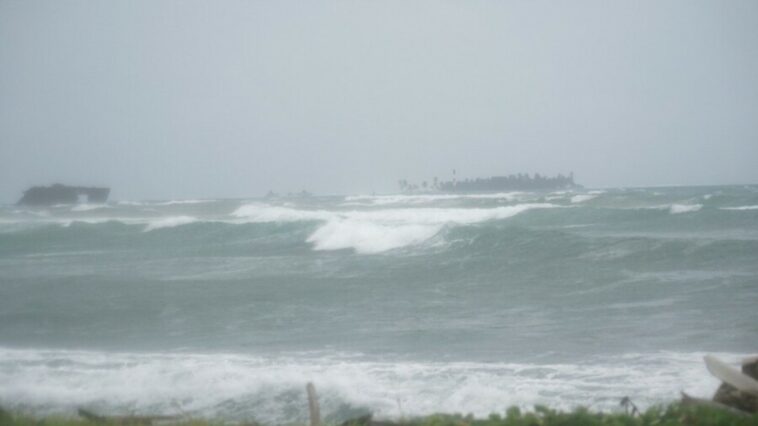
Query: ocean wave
[(375, 231), (88, 207), (580, 198), (741, 208), (369, 237), (257, 212), (271, 389), (684, 208), (169, 222), (268, 213), (179, 202), (379, 200), (161, 203), (365, 231)]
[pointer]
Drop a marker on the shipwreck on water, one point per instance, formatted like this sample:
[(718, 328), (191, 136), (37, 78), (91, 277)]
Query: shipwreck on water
[(63, 194)]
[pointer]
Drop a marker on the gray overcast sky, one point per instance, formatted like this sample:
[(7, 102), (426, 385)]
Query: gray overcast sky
[(169, 99)]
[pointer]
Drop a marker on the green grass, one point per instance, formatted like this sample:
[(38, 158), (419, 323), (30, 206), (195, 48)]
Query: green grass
[(674, 414)]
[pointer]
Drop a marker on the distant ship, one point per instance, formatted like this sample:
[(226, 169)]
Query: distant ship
[(63, 194)]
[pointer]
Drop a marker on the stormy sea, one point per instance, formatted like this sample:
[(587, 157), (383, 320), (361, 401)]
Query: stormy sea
[(398, 305)]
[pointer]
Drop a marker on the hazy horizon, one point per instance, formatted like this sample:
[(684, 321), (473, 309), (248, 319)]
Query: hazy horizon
[(188, 99)]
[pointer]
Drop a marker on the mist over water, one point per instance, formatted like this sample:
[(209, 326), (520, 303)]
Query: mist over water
[(394, 304)]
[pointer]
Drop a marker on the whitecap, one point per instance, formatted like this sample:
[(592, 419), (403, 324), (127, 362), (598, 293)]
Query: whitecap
[(256, 212), (169, 222), (580, 198), (741, 208), (684, 208), (379, 200), (175, 202), (88, 207), (238, 386), (368, 237), (374, 231), (130, 203)]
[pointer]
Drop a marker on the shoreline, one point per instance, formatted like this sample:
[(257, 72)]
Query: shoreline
[(679, 413)]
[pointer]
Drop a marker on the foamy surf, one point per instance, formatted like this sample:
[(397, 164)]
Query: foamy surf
[(88, 207), (582, 198), (741, 208), (367, 237), (380, 200), (271, 389), (376, 231), (684, 208), (169, 222)]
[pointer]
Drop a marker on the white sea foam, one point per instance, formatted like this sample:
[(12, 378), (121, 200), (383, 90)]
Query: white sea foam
[(378, 200), (236, 386), (66, 222), (129, 203), (169, 222), (175, 202), (267, 213), (684, 208), (369, 237), (257, 212), (580, 198), (740, 208), (88, 207), (161, 203), (374, 231)]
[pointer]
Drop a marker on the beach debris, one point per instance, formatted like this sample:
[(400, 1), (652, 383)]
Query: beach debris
[(691, 400), (738, 390), (313, 408), (368, 420), (124, 420)]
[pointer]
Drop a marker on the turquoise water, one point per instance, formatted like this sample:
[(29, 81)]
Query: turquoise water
[(396, 304)]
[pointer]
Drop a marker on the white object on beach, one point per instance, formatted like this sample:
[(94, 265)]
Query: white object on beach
[(731, 375)]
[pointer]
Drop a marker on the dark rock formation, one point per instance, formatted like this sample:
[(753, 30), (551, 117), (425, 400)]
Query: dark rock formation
[(729, 395), (62, 194)]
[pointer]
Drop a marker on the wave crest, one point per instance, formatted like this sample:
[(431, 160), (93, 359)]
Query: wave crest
[(684, 208), (375, 231), (238, 386), (169, 222)]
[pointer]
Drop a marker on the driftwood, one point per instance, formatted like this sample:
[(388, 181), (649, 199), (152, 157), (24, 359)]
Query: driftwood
[(313, 408), (739, 388), (690, 400), (730, 375), (123, 420), (367, 421)]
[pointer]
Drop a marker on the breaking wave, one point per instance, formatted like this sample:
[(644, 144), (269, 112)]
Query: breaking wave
[(169, 222), (379, 200), (684, 208), (239, 386), (369, 237), (582, 198), (88, 207), (375, 231), (741, 208)]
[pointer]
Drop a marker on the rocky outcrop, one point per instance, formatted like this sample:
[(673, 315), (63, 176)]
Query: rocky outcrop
[(63, 194), (733, 397)]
